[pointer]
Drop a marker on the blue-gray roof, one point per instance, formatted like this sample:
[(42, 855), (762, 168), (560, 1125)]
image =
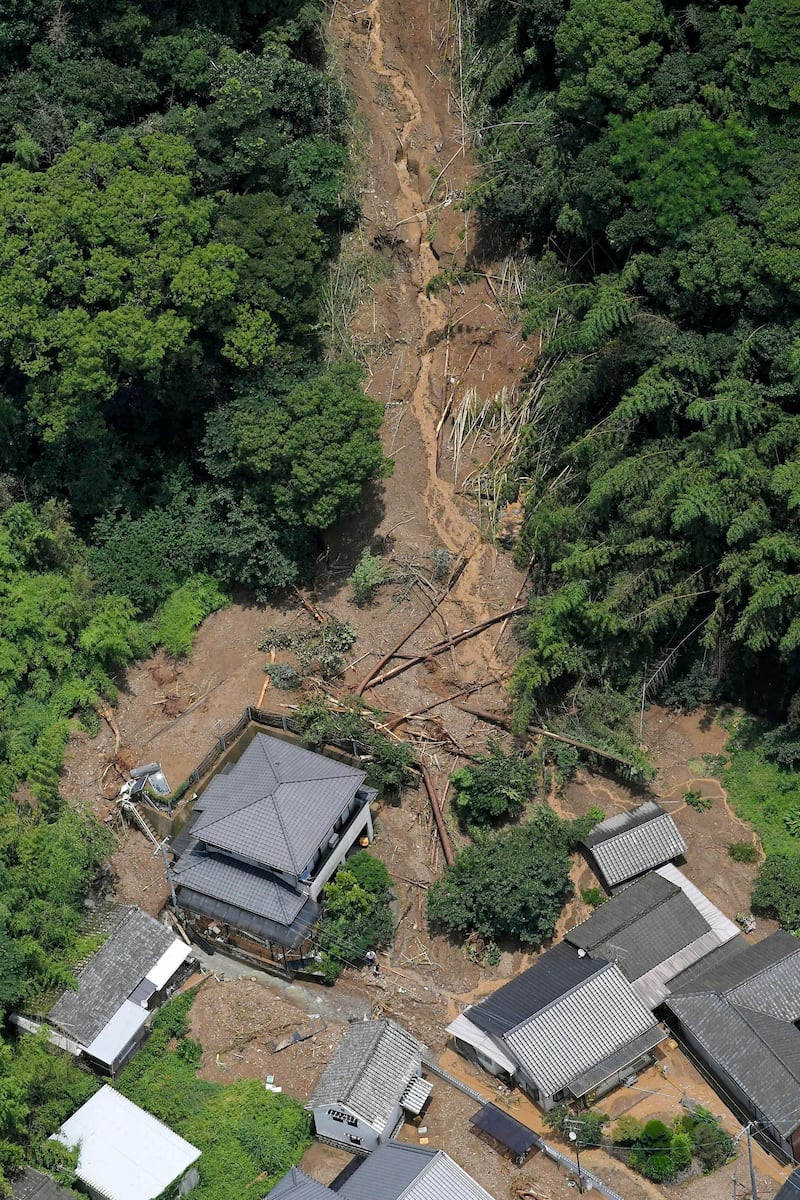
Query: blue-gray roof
[(297, 1186), (276, 805), (633, 842), (400, 1171), (791, 1189), (744, 1011)]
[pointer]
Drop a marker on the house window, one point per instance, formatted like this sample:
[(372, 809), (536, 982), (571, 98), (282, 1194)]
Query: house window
[(351, 1120), (337, 1115), (356, 1141)]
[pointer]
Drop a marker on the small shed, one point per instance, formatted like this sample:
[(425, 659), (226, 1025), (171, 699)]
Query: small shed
[(124, 1153), (374, 1078), (506, 1131), (626, 845)]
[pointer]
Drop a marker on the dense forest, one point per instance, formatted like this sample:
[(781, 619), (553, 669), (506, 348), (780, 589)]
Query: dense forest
[(174, 178), (644, 156)]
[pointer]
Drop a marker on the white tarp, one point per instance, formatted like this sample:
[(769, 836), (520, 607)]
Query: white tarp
[(123, 1152), (118, 1033), (168, 964), (463, 1029)]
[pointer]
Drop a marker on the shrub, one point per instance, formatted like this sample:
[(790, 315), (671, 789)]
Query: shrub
[(494, 787), (391, 761), (367, 577), (184, 611), (626, 1131), (744, 852), (655, 1133), (513, 883), (712, 1145), (357, 914), (696, 800), (588, 1125), (282, 675), (777, 890), (593, 896)]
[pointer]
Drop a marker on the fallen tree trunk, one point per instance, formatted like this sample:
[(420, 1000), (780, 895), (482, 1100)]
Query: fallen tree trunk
[(368, 678), (504, 723), (441, 647), (447, 849), (470, 690)]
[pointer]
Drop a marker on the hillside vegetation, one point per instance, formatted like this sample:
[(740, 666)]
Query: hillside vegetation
[(644, 155)]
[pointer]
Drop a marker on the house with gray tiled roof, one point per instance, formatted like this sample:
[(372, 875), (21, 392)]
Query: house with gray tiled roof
[(569, 1027), (629, 844), (653, 929), (738, 1012), (264, 838), (396, 1171), (372, 1081), (106, 1017)]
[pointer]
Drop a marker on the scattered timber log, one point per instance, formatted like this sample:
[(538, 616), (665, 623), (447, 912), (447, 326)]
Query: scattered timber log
[(441, 647), (455, 575), (447, 849), (504, 723), (470, 690), (309, 606)]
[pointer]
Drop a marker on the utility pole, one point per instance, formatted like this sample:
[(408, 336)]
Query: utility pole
[(573, 1127), (746, 1132), (753, 1189)]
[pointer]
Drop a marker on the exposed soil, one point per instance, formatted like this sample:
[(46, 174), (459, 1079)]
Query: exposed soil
[(414, 346)]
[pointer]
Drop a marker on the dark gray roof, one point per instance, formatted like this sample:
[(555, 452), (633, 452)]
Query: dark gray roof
[(134, 945), (297, 1186), (400, 1171), (264, 929), (791, 1189), (744, 1011), (252, 889), (633, 842), (277, 803), (615, 1063), (641, 926), (370, 1071), (553, 975), (33, 1185)]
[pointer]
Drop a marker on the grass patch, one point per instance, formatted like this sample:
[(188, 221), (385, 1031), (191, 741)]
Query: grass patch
[(763, 793), (249, 1136)]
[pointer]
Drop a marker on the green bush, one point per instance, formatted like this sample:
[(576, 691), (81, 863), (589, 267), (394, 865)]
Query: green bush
[(696, 800), (712, 1145), (356, 914), (777, 890), (367, 577), (508, 884), (744, 852), (627, 1131), (248, 1136), (594, 896), (182, 614), (494, 787), (389, 767)]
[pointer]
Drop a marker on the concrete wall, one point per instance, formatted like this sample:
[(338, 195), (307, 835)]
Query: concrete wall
[(360, 824)]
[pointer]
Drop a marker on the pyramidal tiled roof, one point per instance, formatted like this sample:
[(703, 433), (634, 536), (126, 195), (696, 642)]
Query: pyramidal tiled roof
[(276, 804)]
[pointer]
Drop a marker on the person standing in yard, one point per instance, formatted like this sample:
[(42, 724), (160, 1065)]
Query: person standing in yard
[(371, 959)]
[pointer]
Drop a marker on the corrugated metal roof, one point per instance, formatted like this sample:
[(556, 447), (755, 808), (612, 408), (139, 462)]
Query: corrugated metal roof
[(123, 1152), (118, 1033), (743, 1010), (399, 1171), (579, 1030), (553, 975), (276, 804), (633, 842), (135, 944), (370, 1071), (297, 1186), (415, 1095)]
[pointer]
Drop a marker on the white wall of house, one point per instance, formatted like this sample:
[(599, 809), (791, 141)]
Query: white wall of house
[(340, 1124), (360, 825)]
